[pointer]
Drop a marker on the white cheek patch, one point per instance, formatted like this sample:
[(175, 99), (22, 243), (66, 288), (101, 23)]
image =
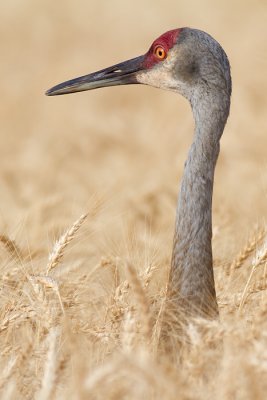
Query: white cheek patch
[(160, 75), (156, 77)]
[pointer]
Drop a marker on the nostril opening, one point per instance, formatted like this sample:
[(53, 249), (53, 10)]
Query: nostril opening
[(114, 71)]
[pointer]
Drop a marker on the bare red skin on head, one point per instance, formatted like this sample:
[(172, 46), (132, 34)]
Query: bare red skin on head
[(167, 41)]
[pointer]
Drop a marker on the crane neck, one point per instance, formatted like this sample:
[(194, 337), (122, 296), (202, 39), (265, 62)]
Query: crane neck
[(191, 277)]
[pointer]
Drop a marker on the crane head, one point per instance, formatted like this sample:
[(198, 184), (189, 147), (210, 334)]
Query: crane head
[(179, 60)]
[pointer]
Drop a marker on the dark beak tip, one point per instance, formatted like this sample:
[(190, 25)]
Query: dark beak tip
[(49, 92), (54, 91)]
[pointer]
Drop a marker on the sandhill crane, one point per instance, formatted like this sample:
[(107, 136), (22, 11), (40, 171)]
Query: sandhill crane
[(192, 63)]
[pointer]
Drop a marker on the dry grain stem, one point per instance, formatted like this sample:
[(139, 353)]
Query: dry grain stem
[(57, 253), (248, 249)]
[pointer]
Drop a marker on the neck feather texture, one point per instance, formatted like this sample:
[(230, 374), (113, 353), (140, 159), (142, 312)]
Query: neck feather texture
[(191, 277)]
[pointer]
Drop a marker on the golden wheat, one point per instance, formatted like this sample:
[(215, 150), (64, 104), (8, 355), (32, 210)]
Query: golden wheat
[(81, 319), (143, 307), (248, 250), (58, 250)]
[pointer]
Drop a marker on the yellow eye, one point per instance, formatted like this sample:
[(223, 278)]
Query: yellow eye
[(160, 53)]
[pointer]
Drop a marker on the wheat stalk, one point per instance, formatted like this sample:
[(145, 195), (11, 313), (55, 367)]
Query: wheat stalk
[(247, 250), (57, 253), (49, 376), (101, 374), (49, 282), (142, 302), (11, 247), (261, 256), (8, 371), (259, 259), (14, 317), (128, 332), (7, 394)]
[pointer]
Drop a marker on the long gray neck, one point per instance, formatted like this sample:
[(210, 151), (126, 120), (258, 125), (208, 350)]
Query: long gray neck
[(191, 277)]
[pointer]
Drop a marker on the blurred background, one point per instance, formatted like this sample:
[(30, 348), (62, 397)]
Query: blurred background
[(124, 146)]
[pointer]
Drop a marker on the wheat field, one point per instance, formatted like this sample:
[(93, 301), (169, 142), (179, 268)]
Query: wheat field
[(89, 187)]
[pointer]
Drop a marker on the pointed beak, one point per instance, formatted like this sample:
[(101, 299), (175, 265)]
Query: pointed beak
[(120, 74)]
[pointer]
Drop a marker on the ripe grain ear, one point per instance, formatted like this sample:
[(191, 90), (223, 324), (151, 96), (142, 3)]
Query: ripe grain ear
[(57, 253), (142, 303), (250, 247)]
